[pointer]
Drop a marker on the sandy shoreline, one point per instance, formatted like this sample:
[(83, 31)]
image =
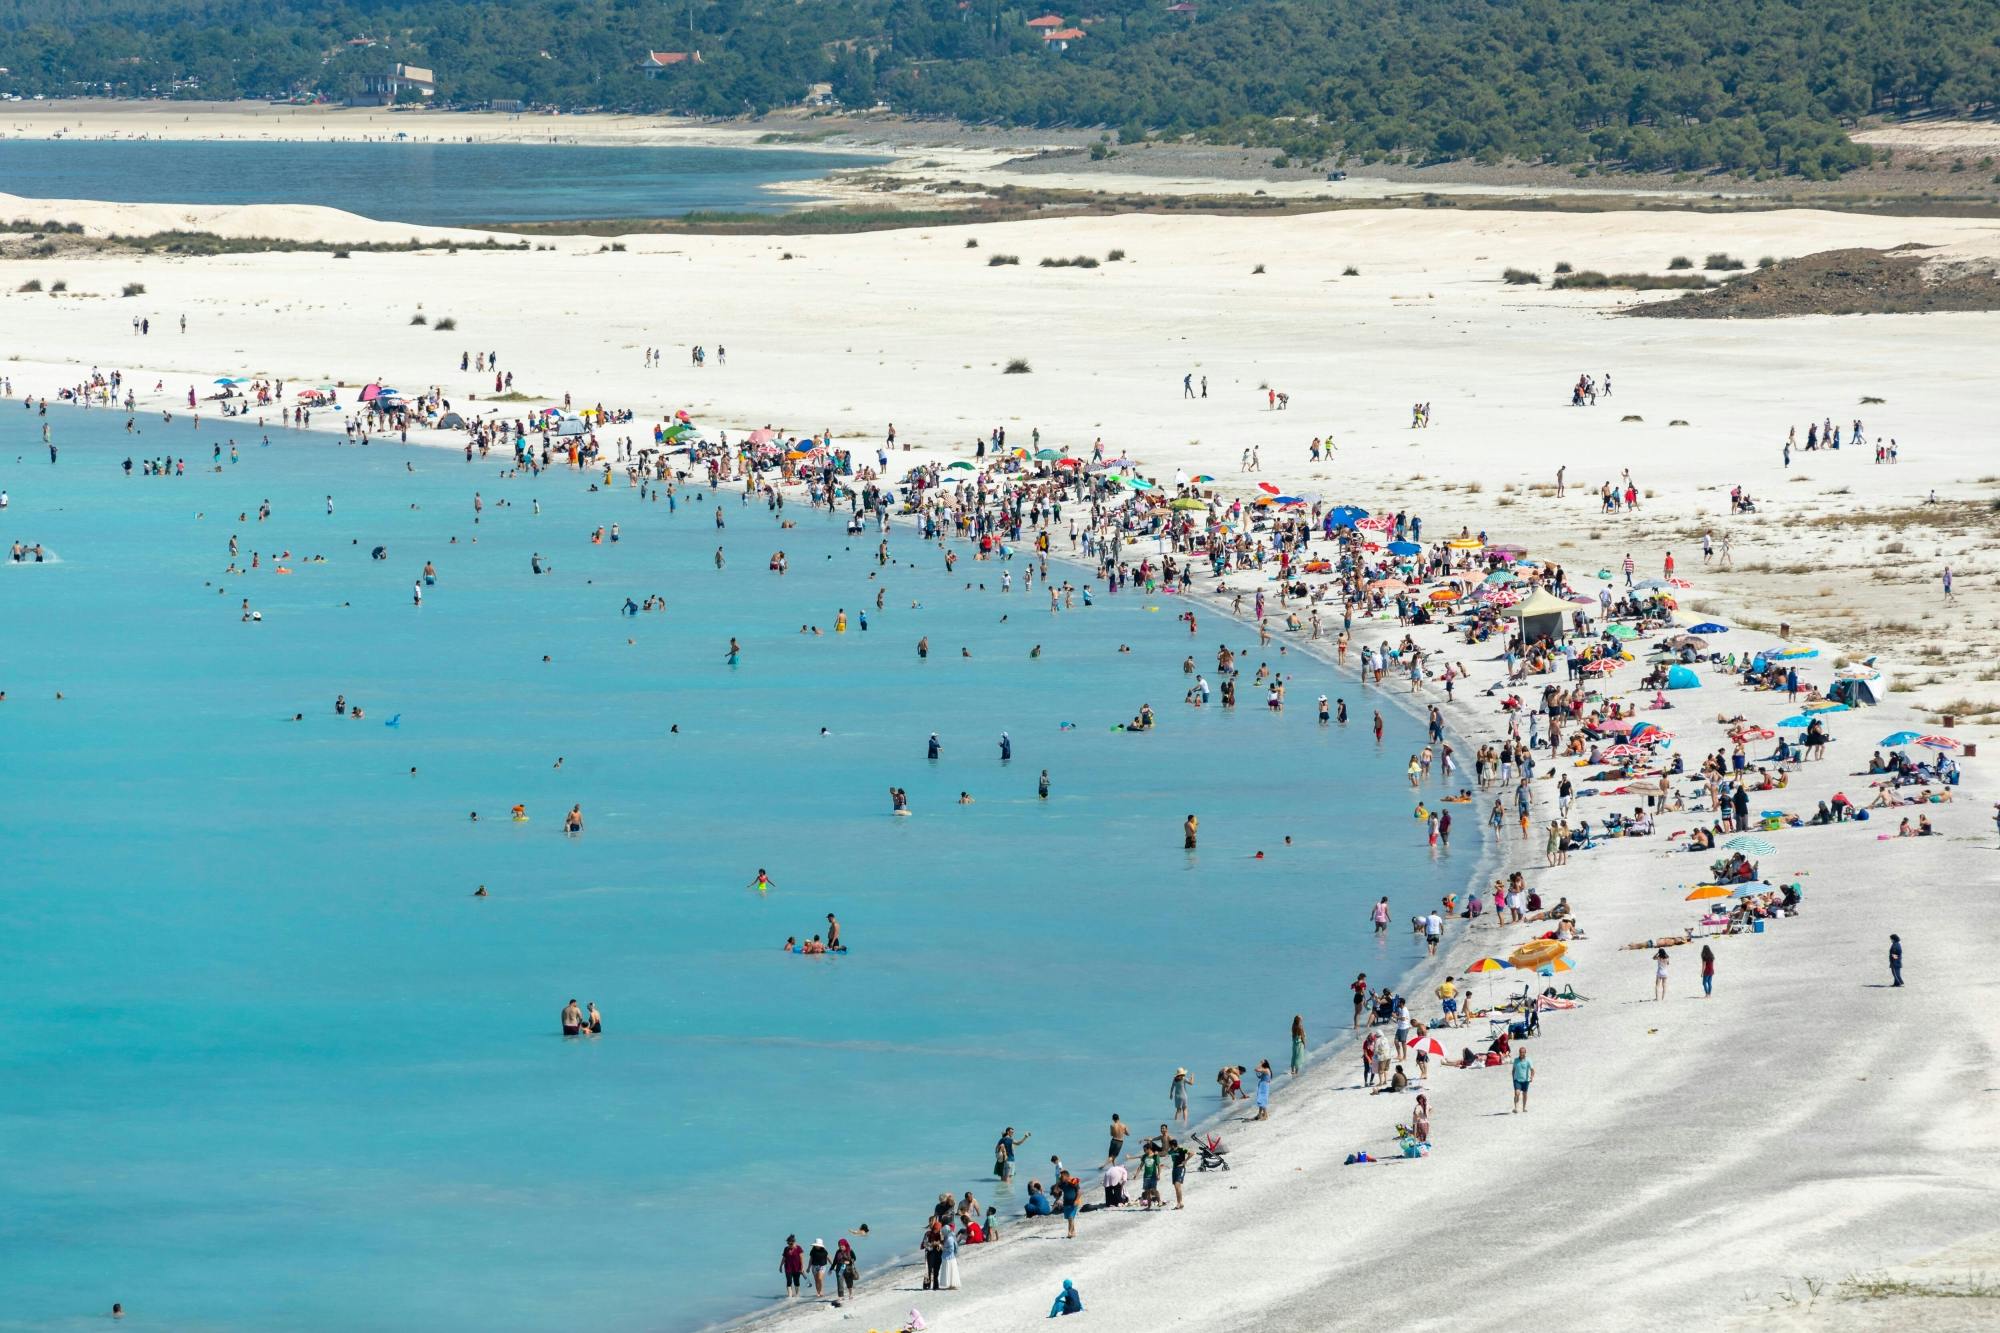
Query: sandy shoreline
[(1709, 1158), (925, 157)]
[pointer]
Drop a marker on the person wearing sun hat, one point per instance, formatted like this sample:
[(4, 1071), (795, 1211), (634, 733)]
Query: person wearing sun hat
[(817, 1260), (1177, 1092)]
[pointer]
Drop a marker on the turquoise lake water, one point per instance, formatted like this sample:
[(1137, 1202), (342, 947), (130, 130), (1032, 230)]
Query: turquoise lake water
[(268, 1065), (435, 184)]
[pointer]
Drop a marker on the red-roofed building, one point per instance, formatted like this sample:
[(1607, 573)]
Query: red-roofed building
[(657, 61), (1182, 8), (1046, 21), (1064, 36)]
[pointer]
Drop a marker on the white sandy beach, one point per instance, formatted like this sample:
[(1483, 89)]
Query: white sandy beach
[(1694, 1163)]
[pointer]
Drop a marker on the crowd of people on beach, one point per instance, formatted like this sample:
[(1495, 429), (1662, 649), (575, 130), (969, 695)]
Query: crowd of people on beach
[(1545, 728)]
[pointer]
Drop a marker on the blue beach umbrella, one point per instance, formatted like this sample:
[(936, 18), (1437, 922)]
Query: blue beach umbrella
[(1900, 738), (1709, 627), (1799, 721), (1405, 548)]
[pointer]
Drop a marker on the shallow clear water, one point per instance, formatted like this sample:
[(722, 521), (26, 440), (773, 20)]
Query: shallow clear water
[(268, 1065), (433, 184)]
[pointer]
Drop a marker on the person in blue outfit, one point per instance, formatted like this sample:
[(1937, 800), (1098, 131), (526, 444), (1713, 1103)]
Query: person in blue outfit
[(1067, 1301)]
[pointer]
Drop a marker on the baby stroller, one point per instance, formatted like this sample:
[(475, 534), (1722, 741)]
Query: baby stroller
[(1214, 1157)]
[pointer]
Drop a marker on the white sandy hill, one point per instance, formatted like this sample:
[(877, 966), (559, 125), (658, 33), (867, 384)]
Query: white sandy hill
[(1685, 1163), (293, 222)]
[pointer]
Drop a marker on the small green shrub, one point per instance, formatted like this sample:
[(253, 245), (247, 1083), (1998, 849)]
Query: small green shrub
[(1520, 277), (1680, 261), (1719, 262), (1018, 366), (419, 318), (445, 325), (995, 261), (134, 289), (31, 285)]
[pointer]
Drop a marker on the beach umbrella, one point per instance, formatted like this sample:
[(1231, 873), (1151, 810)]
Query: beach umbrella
[(1798, 721), (1746, 843), (1444, 595), (1621, 631), (1537, 952), (1601, 665), (1649, 585), (1186, 504), (1405, 548), (1465, 544), (1139, 483), (1708, 627), (1559, 965), (1682, 678), (1047, 455), (1268, 488), (1489, 965), (224, 380), (1900, 738), (960, 465), (1069, 462), (1203, 476), (1581, 600), (1346, 516), (1622, 751), (1704, 891), (1376, 524), (1937, 742), (1425, 1045), (1511, 552)]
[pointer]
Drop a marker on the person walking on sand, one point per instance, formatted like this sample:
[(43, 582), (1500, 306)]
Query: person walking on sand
[(1895, 960), (792, 1263), (1947, 583), (1298, 1044), (1660, 961), (1707, 970), (1524, 1074), (817, 1260)]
